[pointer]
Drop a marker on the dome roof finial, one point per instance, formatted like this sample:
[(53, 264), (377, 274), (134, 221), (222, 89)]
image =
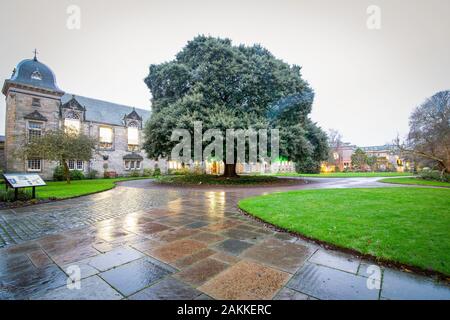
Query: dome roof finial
[(35, 54)]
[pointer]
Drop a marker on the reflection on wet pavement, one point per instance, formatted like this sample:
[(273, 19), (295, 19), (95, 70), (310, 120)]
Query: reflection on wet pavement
[(142, 241)]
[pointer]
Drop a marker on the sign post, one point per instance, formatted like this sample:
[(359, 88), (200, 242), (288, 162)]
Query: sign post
[(17, 181)]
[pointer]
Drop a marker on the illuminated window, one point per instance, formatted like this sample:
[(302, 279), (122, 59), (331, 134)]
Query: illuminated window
[(72, 123), (133, 137), (34, 130), (106, 137), (34, 165)]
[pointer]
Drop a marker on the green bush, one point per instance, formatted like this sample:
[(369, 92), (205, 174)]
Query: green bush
[(179, 172), (157, 172), (58, 174), (134, 174), (92, 174), (8, 196), (147, 173), (428, 174)]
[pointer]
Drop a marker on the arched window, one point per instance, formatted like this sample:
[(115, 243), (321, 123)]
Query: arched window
[(72, 122)]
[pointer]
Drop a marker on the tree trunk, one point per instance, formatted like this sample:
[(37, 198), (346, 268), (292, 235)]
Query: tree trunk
[(66, 171), (230, 171)]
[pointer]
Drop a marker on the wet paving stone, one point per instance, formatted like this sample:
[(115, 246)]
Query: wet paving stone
[(208, 237), (114, 258), (148, 228), (35, 281), (174, 235), (282, 255), (289, 294), (196, 225), (167, 289), (335, 260), (135, 276), (233, 246), (195, 257), (227, 258), (85, 269), (240, 234), (40, 259), (73, 255), (92, 288), (399, 285), (15, 264), (176, 250), (201, 271), (246, 281), (330, 284)]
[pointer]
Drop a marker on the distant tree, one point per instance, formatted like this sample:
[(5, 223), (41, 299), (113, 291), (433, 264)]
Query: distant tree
[(429, 133), (372, 162), (60, 145), (334, 144), (359, 160), (232, 87)]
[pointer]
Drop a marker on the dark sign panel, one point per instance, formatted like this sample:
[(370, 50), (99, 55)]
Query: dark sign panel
[(17, 180)]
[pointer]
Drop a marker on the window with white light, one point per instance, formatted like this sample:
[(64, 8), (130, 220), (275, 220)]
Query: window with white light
[(72, 125), (106, 137), (133, 137)]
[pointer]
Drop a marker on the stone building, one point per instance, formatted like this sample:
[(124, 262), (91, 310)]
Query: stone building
[(34, 103)]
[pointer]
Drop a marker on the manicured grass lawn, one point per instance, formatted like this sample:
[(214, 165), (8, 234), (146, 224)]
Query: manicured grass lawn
[(406, 225), (204, 179), (346, 174), (416, 181), (62, 190)]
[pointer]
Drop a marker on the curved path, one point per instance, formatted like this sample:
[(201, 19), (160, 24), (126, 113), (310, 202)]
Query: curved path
[(145, 241)]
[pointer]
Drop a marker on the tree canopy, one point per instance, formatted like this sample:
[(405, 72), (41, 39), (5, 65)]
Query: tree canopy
[(429, 134), (60, 145), (232, 87)]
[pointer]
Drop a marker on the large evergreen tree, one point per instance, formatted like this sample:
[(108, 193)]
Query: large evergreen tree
[(232, 87)]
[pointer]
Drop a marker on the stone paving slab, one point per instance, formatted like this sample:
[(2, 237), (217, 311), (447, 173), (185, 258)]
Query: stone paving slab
[(399, 285), (246, 281), (92, 288), (331, 284), (132, 277), (178, 243)]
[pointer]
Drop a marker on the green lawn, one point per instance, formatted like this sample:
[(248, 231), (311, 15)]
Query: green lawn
[(416, 181), (62, 190), (406, 225), (346, 174)]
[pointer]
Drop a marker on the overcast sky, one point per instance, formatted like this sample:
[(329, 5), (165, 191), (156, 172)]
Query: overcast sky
[(367, 81)]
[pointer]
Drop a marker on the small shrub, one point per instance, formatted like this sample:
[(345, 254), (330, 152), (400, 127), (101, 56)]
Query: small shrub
[(8, 196), (179, 172), (428, 174), (58, 174), (92, 174), (147, 172), (134, 174), (157, 172), (76, 175)]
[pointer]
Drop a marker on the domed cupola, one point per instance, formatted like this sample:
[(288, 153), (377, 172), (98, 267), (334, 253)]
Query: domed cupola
[(35, 74)]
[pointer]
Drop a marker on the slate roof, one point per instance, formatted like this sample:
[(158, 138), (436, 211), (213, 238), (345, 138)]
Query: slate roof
[(105, 112), (33, 73), (35, 115)]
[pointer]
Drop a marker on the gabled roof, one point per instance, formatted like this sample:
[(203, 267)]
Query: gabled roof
[(133, 115), (105, 112), (35, 115), (133, 156)]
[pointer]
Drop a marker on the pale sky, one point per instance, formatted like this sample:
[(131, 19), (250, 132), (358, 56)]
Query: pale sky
[(366, 81)]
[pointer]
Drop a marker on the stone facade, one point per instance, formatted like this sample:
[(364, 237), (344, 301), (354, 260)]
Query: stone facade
[(39, 103)]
